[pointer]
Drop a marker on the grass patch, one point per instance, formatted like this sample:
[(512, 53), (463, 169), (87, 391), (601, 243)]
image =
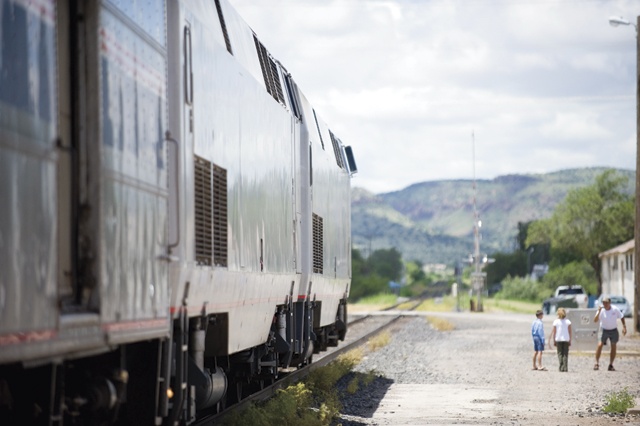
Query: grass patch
[(517, 306), (373, 303), (619, 402), (315, 400), (439, 304), (379, 341), (440, 324), (446, 304), (361, 379), (449, 304)]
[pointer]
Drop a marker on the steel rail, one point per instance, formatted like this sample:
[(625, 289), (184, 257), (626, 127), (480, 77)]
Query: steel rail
[(295, 376)]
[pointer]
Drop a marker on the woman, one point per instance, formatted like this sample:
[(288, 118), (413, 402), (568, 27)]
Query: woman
[(561, 338)]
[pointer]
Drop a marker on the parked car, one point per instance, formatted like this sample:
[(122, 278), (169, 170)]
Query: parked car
[(566, 296), (619, 302)]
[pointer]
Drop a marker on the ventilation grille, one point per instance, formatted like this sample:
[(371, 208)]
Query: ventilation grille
[(269, 72), (203, 211), (219, 216), (224, 27), (210, 213), (318, 244), (336, 150)]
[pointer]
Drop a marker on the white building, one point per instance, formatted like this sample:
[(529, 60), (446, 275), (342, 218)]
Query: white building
[(617, 270)]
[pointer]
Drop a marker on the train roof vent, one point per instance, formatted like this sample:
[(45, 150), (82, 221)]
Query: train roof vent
[(223, 25), (269, 72)]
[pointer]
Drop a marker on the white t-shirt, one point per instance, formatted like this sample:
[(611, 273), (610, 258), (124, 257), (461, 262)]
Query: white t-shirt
[(562, 329), (609, 318)]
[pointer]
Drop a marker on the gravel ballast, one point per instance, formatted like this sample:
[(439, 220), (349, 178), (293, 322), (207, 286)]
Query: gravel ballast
[(481, 373)]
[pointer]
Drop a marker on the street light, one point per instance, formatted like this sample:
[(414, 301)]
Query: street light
[(614, 21)]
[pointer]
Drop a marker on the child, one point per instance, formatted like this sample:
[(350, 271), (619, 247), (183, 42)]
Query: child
[(561, 337), (537, 332)]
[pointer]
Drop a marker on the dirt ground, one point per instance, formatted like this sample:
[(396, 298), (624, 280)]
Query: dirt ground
[(481, 373)]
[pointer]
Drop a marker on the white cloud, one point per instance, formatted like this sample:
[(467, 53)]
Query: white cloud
[(545, 85), (575, 127)]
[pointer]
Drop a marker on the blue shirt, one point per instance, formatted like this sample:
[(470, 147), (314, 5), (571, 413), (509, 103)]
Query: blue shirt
[(537, 329)]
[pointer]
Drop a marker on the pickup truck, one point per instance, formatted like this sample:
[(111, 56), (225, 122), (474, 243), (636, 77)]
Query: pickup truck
[(566, 296)]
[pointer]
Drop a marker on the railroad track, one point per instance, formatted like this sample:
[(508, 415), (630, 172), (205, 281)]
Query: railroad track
[(361, 329)]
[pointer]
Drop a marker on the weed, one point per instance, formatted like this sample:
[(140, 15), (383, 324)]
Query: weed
[(619, 402), (379, 341), (440, 324), (314, 401)]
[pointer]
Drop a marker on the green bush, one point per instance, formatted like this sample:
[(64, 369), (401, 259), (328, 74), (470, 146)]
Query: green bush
[(619, 402), (517, 288), (574, 273)]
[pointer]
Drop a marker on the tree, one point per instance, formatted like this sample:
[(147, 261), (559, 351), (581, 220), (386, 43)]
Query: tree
[(506, 264), (589, 221), (573, 273), (371, 276), (415, 273), (387, 263)]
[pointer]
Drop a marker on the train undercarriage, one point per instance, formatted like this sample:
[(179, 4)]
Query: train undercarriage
[(163, 381)]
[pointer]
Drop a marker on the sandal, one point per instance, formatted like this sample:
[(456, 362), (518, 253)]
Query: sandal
[(611, 368), (596, 367), (542, 369)]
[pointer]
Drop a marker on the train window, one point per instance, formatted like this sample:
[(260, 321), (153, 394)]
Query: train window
[(210, 222), (223, 25), (351, 160), (336, 150), (318, 244), (318, 127), (269, 72), (292, 91), (188, 71)]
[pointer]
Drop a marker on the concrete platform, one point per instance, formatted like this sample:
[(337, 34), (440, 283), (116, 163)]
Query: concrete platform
[(415, 404)]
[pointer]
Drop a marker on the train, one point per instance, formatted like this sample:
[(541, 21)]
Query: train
[(174, 214)]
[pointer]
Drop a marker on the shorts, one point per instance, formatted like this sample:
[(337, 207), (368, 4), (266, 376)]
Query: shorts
[(538, 344), (613, 335)]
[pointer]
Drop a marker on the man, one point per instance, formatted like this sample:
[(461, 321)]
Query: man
[(608, 318)]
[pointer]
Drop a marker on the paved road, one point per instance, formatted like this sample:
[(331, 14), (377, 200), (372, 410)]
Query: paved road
[(480, 373)]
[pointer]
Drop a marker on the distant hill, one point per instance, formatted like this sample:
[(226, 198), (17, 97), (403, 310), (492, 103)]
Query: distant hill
[(433, 221)]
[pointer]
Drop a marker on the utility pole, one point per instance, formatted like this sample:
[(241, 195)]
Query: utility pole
[(636, 266), (477, 278)]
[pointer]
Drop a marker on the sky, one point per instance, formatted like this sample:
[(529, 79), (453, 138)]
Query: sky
[(426, 90)]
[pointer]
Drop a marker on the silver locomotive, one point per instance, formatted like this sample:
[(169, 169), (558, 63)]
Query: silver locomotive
[(174, 214)]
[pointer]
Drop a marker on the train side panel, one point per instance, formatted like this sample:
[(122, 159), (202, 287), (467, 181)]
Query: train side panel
[(237, 144), (28, 164), (124, 195), (327, 209)]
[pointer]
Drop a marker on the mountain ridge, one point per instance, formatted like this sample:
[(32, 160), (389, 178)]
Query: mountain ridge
[(432, 221)]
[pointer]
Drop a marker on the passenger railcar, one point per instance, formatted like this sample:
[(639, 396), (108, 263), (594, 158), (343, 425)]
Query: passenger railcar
[(174, 214)]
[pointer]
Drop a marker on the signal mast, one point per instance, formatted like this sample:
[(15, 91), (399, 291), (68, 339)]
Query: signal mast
[(478, 277)]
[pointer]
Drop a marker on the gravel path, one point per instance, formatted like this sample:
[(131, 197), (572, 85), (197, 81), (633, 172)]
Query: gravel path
[(491, 355)]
